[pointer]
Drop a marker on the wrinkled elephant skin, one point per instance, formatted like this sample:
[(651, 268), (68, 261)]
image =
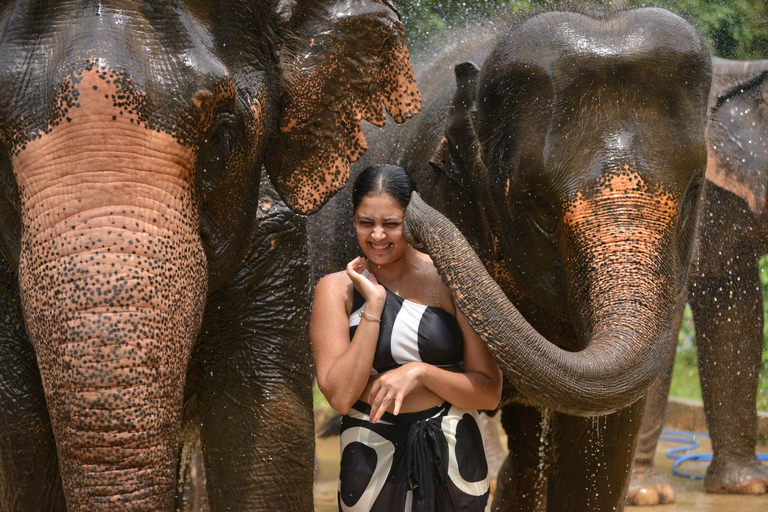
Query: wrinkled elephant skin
[(570, 155), (724, 291), (150, 296)]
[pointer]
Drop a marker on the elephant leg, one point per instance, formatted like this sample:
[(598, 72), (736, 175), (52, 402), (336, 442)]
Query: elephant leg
[(593, 460), (257, 432), (29, 467), (647, 486), (728, 315), (522, 479), (255, 378)]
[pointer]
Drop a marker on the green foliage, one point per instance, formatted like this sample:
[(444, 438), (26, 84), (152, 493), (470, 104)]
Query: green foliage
[(426, 20), (734, 29), (685, 376), (762, 390)]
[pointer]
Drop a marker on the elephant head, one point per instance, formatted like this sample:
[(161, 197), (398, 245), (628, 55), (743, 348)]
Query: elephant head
[(132, 138), (580, 142)]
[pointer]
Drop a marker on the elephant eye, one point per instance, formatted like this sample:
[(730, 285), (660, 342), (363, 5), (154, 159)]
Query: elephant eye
[(224, 119), (687, 213), (215, 151), (542, 212), (690, 200)]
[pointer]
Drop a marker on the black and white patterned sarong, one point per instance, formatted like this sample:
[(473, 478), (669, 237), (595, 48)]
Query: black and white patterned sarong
[(427, 461)]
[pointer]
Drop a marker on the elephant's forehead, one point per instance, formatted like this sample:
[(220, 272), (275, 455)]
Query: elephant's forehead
[(635, 32), (101, 153), (95, 92), (623, 198)]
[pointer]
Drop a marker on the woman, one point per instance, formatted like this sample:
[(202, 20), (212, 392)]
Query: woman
[(396, 357)]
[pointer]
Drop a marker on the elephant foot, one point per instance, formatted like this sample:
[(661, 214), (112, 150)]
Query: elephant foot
[(648, 487), (737, 477)]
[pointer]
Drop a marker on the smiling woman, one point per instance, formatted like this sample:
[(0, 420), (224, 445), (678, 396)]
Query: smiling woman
[(379, 217), (395, 355)]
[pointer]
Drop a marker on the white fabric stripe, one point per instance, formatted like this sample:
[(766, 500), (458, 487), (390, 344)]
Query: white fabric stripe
[(354, 413), (448, 426), (405, 333), (385, 452)]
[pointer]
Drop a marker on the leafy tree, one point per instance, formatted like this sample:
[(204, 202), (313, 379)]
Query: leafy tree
[(425, 20), (734, 29)]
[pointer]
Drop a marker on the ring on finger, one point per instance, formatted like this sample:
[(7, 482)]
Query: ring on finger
[(388, 397)]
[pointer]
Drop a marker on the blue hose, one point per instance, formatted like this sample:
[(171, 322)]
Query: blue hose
[(690, 443)]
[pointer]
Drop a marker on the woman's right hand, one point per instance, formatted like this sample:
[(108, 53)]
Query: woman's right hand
[(375, 295)]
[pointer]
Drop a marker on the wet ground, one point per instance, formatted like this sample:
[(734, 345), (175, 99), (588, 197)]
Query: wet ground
[(690, 493)]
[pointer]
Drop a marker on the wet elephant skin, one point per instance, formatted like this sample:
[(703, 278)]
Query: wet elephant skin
[(724, 290), (550, 150), (153, 291)]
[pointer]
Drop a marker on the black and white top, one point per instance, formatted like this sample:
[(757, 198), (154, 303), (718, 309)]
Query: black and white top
[(412, 332)]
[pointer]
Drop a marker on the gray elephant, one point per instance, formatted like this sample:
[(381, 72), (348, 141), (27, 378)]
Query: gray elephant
[(725, 292), (572, 160), (147, 293)]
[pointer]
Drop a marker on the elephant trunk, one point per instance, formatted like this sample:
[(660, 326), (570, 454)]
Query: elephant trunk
[(613, 371), (113, 282)]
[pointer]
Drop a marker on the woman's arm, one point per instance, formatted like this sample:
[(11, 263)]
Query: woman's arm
[(479, 387), (343, 366)]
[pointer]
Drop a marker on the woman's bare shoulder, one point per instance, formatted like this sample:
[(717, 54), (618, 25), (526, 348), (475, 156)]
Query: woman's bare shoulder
[(336, 286), (335, 282), (428, 268)]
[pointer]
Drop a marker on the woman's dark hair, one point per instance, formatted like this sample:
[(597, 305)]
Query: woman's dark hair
[(386, 178)]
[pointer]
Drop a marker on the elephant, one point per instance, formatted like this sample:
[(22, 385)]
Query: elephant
[(724, 292), (570, 155), (149, 297)]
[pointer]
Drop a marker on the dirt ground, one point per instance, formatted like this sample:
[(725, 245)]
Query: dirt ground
[(690, 493)]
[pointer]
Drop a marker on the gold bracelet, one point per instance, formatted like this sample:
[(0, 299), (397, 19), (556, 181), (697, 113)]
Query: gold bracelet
[(369, 316)]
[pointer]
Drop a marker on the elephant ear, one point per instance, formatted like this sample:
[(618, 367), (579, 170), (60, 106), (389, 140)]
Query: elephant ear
[(458, 162), (736, 162), (341, 61), (458, 156)]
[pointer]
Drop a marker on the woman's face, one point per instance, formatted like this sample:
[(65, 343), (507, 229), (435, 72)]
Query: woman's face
[(379, 228)]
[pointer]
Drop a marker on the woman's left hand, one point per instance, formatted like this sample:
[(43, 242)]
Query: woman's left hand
[(393, 385)]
